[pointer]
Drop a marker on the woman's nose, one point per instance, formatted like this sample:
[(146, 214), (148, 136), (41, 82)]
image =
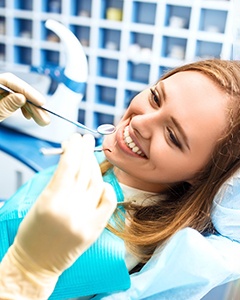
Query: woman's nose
[(146, 124)]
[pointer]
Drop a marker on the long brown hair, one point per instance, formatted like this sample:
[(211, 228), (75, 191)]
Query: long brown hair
[(185, 205)]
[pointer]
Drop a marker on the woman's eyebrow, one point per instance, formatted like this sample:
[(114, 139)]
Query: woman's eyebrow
[(162, 92), (181, 131)]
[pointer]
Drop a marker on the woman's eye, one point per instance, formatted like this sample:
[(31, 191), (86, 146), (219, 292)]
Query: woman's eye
[(154, 97), (173, 138)]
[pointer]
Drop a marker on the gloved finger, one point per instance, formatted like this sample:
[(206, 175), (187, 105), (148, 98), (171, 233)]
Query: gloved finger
[(84, 175), (68, 165), (90, 221), (41, 117), (71, 160), (89, 175), (85, 156), (74, 145), (95, 186), (107, 205), (26, 113), (10, 104), (20, 86)]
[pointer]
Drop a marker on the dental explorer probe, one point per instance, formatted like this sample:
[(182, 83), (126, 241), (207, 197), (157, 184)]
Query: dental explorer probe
[(58, 151)]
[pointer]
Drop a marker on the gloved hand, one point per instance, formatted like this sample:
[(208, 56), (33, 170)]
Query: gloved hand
[(11, 102), (66, 219)]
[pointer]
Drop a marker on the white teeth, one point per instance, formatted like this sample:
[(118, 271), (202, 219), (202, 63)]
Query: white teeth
[(135, 149), (130, 143), (128, 139)]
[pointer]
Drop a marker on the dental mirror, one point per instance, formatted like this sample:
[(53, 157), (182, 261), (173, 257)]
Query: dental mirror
[(103, 129)]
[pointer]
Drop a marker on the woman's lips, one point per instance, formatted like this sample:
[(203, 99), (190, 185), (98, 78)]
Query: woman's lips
[(131, 144)]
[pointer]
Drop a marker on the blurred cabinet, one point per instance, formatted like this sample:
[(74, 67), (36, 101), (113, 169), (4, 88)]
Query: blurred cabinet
[(128, 43)]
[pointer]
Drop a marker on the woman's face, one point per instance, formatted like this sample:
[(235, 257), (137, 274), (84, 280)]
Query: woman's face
[(168, 132)]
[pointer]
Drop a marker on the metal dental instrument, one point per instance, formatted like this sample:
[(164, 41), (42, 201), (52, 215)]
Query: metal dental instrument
[(103, 129), (58, 151)]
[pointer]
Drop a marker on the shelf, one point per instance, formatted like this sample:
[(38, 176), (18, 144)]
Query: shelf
[(108, 67), (23, 28), (174, 47), (50, 57), (112, 10), (106, 95), (208, 49), (2, 52), (109, 39), (23, 55), (212, 20), (23, 5), (2, 3), (82, 33), (52, 6), (81, 8), (138, 72), (178, 16), (101, 118), (144, 12)]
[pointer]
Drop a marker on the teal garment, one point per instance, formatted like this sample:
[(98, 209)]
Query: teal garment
[(100, 269)]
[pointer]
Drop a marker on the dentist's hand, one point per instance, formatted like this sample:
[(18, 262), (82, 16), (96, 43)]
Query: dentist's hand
[(72, 210), (67, 218), (11, 102)]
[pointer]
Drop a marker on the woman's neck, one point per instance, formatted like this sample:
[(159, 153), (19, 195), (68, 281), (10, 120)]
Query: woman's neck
[(134, 182)]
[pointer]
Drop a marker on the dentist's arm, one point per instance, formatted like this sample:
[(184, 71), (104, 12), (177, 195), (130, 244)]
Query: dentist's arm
[(23, 91), (67, 218)]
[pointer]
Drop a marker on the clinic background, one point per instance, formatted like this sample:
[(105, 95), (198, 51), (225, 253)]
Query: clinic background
[(128, 45)]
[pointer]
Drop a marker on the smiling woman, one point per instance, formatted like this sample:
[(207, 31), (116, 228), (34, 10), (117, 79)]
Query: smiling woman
[(174, 148), (178, 126)]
